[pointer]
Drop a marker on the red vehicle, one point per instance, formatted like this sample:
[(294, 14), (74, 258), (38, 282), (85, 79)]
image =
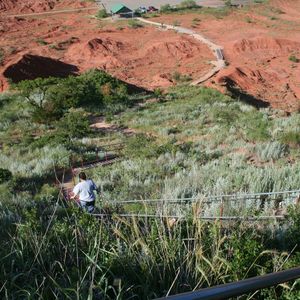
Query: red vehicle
[(152, 9)]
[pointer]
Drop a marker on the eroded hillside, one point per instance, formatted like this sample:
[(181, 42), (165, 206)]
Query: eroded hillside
[(262, 48), (261, 45)]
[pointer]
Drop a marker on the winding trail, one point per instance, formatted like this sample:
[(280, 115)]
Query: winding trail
[(217, 50)]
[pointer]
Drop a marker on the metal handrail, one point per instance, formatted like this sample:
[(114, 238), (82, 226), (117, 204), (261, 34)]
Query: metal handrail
[(211, 198), (234, 289), (203, 218)]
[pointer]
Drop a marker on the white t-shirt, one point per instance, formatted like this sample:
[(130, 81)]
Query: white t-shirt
[(85, 190)]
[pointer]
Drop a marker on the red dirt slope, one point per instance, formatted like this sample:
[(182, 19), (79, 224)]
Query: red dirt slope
[(30, 6), (146, 57), (149, 63), (258, 43), (264, 70)]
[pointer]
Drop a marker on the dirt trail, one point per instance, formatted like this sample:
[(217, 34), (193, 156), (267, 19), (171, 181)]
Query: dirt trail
[(216, 49)]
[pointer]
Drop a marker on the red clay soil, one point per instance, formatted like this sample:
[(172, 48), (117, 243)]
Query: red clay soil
[(32, 6), (258, 43), (146, 57)]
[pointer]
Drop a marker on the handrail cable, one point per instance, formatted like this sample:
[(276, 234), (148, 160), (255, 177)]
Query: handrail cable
[(216, 198)]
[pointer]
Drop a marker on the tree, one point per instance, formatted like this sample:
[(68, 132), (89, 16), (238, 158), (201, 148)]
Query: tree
[(50, 98), (188, 4), (35, 91), (166, 8), (102, 13), (73, 124)]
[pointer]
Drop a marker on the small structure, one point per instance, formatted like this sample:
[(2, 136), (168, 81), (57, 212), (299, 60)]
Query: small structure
[(122, 11)]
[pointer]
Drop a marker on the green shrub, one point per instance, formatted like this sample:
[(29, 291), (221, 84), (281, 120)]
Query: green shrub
[(188, 4), (272, 151), (228, 3), (290, 138), (158, 94), (5, 175), (135, 24), (294, 58), (20, 184), (166, 8), (102, 13), (257, 127), (50, 98), (140, 145), (47, 193), (74, 124), (41, 42)]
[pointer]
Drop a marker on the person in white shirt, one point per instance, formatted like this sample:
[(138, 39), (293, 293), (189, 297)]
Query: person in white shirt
[(85, 192)]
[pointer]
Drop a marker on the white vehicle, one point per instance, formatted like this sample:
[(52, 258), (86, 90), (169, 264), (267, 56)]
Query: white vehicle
[(142, 9)]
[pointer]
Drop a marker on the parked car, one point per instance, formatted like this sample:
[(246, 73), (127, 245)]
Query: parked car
[(142, 9), (152, 9)]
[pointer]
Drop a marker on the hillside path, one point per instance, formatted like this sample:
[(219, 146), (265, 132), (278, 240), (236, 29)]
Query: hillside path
[(217, 50)]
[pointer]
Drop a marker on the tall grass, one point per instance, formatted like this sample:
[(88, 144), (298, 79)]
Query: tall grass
[(59, 253), (195, 144)]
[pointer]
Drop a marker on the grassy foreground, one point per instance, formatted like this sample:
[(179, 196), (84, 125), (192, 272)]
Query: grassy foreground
[(49, 252), (192, 142)]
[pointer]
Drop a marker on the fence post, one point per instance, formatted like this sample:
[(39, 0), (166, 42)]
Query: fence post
[(221, 210), (97, 154), (72, 171)]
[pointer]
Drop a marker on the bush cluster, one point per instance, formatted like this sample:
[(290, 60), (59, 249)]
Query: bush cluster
[(50, 98)]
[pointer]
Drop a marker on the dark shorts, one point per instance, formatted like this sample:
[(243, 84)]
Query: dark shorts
[(88, 206)]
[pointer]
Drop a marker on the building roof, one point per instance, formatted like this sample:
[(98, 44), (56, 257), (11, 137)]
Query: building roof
[(119, 7)]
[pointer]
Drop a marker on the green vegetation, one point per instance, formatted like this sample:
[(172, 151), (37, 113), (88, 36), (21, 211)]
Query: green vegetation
[(192, 142), (183, 5), (165, 8), (260, 1), (41, 42), (228, 3), (294, 58), (178, 77), (134, 24), (188, 4), (67, 254), (5, 175), (102, 13), (50, 98), (192, 7)]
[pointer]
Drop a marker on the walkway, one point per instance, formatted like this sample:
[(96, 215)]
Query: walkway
[(66, 180), (217, 50)]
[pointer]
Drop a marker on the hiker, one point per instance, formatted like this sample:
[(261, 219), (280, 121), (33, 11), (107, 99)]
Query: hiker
[(85, 192)]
